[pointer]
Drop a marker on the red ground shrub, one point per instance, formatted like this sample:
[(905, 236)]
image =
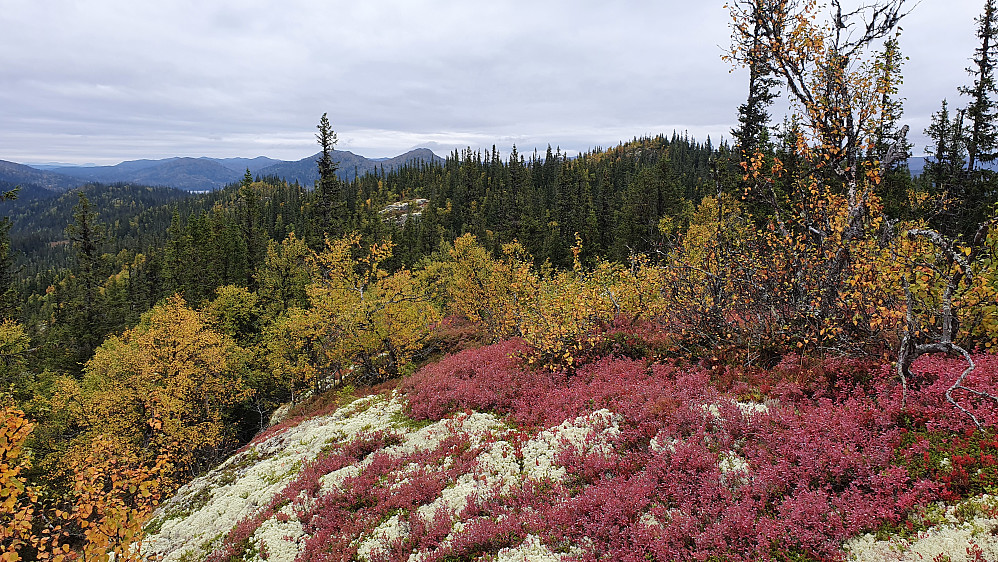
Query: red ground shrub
[(697, 465), (828, 460)]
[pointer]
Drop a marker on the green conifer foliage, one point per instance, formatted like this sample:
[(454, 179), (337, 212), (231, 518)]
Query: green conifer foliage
[(982, 112)]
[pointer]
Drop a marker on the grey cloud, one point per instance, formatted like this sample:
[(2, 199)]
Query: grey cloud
[(111, 80)]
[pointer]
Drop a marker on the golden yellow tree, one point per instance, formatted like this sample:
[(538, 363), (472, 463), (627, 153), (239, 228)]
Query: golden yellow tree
[(489, 291), (830, 276), (373, 319), (362, 321), (294, 351), (560, 314), (165, 387)]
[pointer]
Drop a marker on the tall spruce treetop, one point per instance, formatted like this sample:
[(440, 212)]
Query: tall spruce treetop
[(890, 141), (982, 139), (753, 117), (251, 229), (328, 202), (326, 138), (947, 153), (87, 235)]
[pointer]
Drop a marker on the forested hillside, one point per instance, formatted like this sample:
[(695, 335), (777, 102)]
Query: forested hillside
[(736, 352)]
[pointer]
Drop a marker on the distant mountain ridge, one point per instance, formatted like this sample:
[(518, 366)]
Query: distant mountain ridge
[(305, 171), (200, 174), (13, 174), (208, 174), (190, 174)]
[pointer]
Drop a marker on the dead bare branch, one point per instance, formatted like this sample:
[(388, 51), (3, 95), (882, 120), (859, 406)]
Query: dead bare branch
[(908, 350)]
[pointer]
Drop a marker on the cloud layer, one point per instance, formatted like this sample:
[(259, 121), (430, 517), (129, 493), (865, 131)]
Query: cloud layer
[(104, 81)]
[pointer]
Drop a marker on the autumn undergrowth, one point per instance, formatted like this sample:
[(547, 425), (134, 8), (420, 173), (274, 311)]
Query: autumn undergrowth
[(825, 449), (705, 462)]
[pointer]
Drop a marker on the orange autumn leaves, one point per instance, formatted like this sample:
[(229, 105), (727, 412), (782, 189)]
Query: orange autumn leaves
[(150, 410), (114, 492), (16, 499)]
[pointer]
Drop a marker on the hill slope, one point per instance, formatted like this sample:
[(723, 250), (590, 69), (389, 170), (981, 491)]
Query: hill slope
[(476, 458), (13, 174)]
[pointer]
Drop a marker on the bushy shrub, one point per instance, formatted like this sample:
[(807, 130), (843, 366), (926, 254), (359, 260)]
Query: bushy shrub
[(738, 464)]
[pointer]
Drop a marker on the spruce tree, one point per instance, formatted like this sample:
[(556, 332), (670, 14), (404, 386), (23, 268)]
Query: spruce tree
[(86, 234), (254, 238), (890, 144), (175, 254), (967, 194), (982, 138), (328, 213), (947, 153), (753, 115)]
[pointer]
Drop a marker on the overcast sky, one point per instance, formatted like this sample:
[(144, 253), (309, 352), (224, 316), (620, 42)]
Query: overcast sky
[(102, 81)]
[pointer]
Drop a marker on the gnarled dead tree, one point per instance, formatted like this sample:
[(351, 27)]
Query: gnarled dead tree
[(917, 337)]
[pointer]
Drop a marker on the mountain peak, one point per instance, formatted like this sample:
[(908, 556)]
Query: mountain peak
[(201, 173)]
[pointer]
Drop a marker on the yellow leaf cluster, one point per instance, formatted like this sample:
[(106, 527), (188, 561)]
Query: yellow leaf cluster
[(560, 314), (168, 381), (16, 499), (361, 320), (115, 492)]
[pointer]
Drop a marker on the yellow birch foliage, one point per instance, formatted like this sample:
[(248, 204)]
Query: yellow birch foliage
[(362, 321), (24, 535), (115, 493), (16, 499), (369, 318), (293, 347), (979, 303), (975, 297), (635, 292), (168, 381), (560, 314), (488, 291), (768, 290), (726, 285)]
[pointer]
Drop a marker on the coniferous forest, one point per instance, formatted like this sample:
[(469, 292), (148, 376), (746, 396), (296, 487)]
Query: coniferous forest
[(800, 269)]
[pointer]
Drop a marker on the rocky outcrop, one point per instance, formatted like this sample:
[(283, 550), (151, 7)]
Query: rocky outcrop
[(476, 457)]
